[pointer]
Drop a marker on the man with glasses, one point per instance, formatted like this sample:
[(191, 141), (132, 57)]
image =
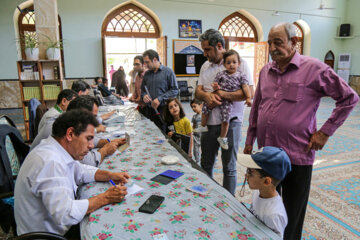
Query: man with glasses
[(139, 70), (160, 82)]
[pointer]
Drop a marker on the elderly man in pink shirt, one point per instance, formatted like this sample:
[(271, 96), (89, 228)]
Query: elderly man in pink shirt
[(284, 115)]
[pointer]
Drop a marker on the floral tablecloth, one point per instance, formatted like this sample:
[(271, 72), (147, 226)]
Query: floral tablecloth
[(182, 215)]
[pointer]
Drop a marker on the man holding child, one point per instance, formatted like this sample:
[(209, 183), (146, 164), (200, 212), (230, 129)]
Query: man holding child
[(213, 45)]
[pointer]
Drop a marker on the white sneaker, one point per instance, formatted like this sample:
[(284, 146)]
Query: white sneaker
[(200, 129), (223, 143)]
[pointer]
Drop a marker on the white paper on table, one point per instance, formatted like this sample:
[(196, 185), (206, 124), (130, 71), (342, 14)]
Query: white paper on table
[(113, 128), (133, 189)]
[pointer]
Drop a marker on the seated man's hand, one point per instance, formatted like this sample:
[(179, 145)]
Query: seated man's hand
[(170, 134), (109, 148), (107, 115), (119, 141), (213, 100), (120, 177), (100, 128), (115, 194)]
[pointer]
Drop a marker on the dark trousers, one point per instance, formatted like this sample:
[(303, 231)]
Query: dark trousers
[(209, 151), (150, 113), (73, 233), (295, 189)]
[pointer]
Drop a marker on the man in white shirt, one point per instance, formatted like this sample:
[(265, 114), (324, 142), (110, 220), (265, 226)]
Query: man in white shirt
[(45, 190), (213, 45), (62, 102), (94, 157)]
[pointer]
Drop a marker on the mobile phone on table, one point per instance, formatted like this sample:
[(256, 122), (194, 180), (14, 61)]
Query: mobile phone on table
[(151, 204)]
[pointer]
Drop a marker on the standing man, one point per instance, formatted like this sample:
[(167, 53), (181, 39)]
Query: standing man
[(213, 44), (162, 85), (139, 70), (284, 115), (119, 82), (111, 72), (46, 187)]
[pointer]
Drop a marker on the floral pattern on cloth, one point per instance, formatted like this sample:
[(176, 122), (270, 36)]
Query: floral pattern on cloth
[(182, 215)]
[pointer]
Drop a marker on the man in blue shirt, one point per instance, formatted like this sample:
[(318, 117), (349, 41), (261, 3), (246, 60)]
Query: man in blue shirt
[(161, 83)]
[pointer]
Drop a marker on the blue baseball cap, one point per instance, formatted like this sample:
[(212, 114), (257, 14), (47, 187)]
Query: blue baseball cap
[(273, 160)]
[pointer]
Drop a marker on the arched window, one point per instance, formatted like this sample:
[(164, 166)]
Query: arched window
[(26, 25), (240, 34), (130, 21), (300, 36), (237, 27), (330, 59), (126, 32)]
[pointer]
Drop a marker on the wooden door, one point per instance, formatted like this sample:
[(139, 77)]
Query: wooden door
[(161, 44), (261, 58)]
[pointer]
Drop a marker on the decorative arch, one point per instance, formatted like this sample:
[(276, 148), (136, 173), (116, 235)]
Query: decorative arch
[(23, 5), (236, 27), (303, 29), (243, 33), (26, 26), (130, 21), (330, 59), (300, 35)]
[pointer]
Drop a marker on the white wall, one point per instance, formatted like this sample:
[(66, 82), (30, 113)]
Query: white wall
[(353, 45), (82, 20)]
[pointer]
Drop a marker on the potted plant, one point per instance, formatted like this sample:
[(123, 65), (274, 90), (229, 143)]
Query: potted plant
[(31, 46), (53, 48)]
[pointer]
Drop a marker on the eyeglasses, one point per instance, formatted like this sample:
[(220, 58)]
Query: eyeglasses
[(136, 64), (249, 172)]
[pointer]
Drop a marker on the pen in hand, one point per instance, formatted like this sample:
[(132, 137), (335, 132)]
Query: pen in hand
[(112, 182)]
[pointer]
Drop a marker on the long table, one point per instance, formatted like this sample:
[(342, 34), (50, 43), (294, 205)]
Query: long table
[(183, 214)]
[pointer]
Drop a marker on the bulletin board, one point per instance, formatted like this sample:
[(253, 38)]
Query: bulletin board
[(187, 57)]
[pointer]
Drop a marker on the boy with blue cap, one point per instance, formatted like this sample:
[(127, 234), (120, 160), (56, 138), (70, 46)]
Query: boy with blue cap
[(266, 168)]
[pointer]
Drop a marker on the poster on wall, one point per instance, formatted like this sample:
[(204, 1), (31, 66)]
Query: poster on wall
[(190, 60), (189, 28), (188, 57)]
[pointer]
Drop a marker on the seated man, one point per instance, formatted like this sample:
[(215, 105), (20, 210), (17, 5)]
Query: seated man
[(46, 186), (83, 88), (62, 102), (106, 148), (101, 85), (93, 157)]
